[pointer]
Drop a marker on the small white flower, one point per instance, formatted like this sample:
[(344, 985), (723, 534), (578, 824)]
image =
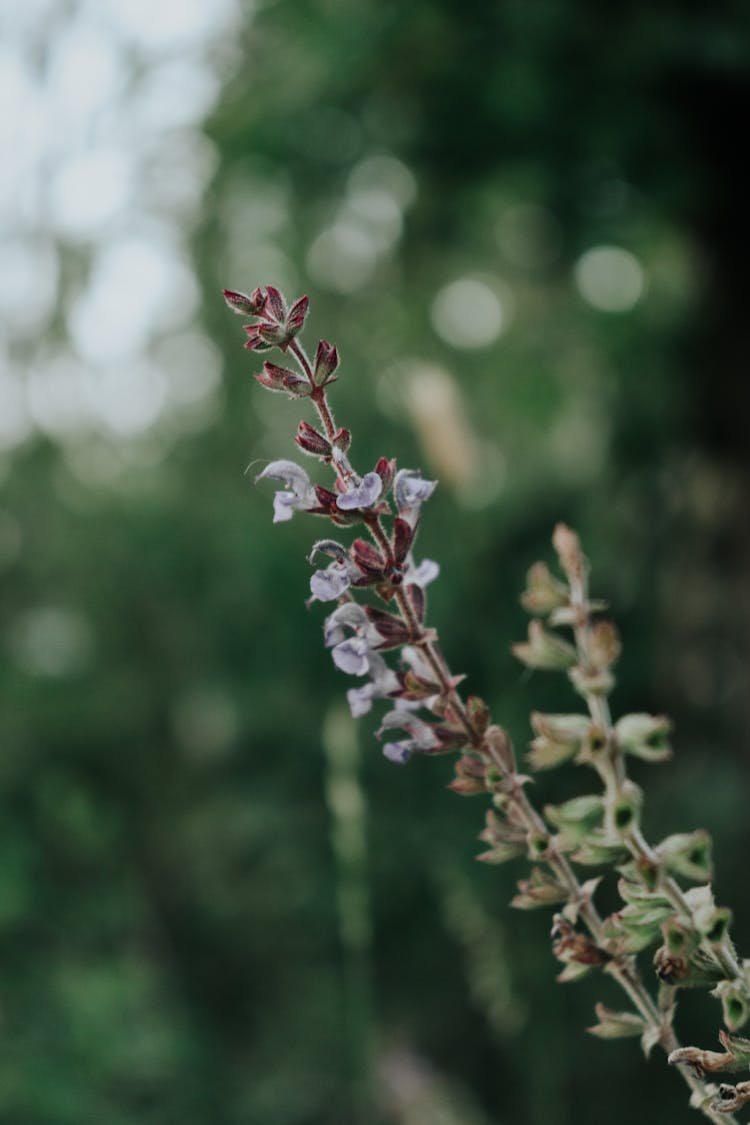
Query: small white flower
[(301, 495), (421, 575), (422, 738), (329, 584), (410, 491), (346, 616)]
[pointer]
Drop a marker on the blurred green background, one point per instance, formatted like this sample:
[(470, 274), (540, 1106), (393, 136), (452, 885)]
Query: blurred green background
[(526, 228)]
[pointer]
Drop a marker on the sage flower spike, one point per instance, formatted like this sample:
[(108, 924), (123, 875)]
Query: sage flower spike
[(301, 495), (361, 495)]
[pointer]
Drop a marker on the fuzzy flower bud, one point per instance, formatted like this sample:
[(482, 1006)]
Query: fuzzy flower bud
[(558, 739), (544, 650), (604, 644), (275, 378), (572, 558), (243, 305), (616, 1025), (543, 592), (311, 441), (644, 736), (626, 808), (687, 854), (733, 1002), (325, 363)]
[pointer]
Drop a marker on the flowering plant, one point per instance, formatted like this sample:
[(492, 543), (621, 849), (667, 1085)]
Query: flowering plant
[(428, 715)]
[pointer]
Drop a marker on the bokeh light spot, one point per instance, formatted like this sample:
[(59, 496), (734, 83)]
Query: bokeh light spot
[(469, 313), (90, 190), (343, 257), (610, 278), (51, 641), (28, 282), (386, 173)]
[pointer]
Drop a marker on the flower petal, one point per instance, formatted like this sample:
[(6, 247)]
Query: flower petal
[(410, 490), (360, 699), (327, 585), (423, 737), (422, 575), (398, 752), (295, 478), (346, 616), (285, 504), (352, 656), (362, 495), (289, 472)]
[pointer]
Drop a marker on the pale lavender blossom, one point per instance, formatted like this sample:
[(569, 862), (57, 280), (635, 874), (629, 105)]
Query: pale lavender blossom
[(329, 584), (383, 683), (422, 574), (362, 495), (355, 655), (422, 740), (352, 656), (300, 498), (350, 615), (410, 491)]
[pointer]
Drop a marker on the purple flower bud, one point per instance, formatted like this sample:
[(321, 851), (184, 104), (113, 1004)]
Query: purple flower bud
[(296, 316), (311, 441), (386, 470), (255, 342), (342, 439), (368, 560), (243, 305), (403, 536), (326, 362), (275, 335), (329, 584), (275, 303), (275, 378), (362, 495), (391, 631), (301, 497)]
